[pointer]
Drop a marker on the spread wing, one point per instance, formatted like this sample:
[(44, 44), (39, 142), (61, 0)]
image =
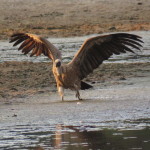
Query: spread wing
[(36, 44), (97, 49)]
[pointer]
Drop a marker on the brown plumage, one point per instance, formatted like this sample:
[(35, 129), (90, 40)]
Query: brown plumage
[(91, 54)]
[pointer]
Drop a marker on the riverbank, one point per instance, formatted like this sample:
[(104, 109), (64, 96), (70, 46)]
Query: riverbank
[(25, 79), (43, 121), (63, 18)]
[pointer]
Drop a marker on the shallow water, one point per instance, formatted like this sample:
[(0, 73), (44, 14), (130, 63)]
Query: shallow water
[(73, 137), (69, 47)]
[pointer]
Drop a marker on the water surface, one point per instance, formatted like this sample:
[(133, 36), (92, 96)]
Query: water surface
[(69, 46), (74, 137)]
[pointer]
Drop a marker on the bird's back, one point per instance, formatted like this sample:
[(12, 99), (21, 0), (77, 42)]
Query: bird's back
[(68, 78)]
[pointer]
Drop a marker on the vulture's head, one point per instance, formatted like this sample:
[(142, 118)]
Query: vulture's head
[(57, 62)]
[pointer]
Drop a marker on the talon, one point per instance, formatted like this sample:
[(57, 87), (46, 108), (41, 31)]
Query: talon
[(78, 95), (80, 99)]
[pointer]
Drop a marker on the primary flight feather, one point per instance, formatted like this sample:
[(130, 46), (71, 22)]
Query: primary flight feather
[(91, 54)]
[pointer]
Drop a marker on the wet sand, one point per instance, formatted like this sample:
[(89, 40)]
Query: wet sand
[(25, 79), (72, 18), (121, 95)]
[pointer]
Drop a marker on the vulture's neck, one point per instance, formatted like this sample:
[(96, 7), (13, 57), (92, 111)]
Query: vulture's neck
[(59, 70)]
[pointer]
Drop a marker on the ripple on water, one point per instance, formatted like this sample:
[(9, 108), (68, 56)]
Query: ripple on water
[(69, 47), (63, 137)]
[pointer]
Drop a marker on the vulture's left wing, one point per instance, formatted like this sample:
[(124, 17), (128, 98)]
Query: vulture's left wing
[(97, 49), (36, 44)]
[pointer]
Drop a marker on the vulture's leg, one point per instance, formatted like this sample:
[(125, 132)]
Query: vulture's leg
[(78, 95), (77, 92), (61, 92)]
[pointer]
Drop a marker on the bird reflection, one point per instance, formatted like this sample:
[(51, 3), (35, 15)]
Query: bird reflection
[(78, 137), (86, 137), (58, 136)]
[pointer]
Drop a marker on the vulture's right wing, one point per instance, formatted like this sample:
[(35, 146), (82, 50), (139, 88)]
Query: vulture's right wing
[(97, 49), (36, 44)]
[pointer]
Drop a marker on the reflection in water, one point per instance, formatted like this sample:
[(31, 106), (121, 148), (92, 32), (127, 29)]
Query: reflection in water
[(73, 138), (58, 137), (105, 139)]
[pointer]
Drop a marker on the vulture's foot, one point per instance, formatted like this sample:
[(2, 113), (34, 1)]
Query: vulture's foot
[(78, 95)]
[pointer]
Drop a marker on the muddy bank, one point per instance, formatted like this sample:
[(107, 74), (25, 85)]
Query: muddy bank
[(72, 18), (32, 116), (24, 79)]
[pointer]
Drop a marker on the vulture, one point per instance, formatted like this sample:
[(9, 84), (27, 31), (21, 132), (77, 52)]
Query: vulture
[(91, 54)]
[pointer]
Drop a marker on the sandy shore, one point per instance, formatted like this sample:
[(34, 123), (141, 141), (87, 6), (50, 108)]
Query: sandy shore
[(72, 18), (120, 94), (24, 79)]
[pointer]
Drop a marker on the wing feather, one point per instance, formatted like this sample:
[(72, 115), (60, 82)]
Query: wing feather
[(131, 44), (34, 51), (97, 49), (121, 48), (28, 47), (40, 50), (37, 45), (112, 48), (18, 41), (26, 42), (131, 41)]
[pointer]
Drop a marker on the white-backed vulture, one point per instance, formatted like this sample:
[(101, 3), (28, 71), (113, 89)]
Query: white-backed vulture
[(91, 54)]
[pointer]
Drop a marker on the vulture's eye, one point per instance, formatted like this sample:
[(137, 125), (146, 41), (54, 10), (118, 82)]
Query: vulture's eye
[(58, 64)]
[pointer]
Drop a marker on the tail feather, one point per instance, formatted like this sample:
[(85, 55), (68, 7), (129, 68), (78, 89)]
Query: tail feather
[(85, 86)]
